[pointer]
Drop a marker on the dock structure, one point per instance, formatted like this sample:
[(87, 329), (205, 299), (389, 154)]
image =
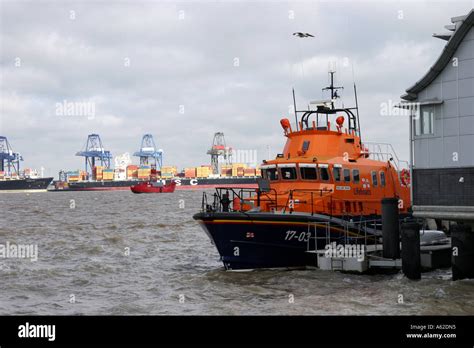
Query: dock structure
[(441, 110), (368, 255)]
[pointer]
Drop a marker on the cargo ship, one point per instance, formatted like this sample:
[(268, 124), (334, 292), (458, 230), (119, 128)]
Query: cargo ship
[(24, 184), (12, 179), (181, 184), (99, 176)]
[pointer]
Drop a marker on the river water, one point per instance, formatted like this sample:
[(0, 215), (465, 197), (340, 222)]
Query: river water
[(119, 253)]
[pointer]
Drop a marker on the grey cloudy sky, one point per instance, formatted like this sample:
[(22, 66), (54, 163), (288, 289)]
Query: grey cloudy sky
[(183, 53)]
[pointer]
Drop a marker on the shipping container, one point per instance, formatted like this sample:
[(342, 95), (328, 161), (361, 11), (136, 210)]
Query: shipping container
[(249, 171), (190, 172), (132, 174), (203, 172), (173, 170), (239, 165)]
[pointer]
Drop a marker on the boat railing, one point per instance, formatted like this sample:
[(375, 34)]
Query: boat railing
[(315, 201), (231, 199), (364, 231), (322, 201), (384, 152), (315, 193)]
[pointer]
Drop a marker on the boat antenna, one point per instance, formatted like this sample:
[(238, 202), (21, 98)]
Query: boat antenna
[(294, 106), (356, 103), (357, 111), (332, 88)]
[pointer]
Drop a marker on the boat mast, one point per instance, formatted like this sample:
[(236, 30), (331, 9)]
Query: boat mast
[(294, 105), (332, 88), (357, 112)]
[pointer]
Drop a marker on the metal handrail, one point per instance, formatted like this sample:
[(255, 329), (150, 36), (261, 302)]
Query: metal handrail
[(320, 200), (361, 226), (384, 151)]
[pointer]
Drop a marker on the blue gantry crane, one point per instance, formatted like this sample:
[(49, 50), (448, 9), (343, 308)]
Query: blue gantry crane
[(149, 154), (9, 160), (94, 150)]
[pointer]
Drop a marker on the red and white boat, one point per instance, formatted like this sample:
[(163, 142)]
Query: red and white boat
[(153, 187)]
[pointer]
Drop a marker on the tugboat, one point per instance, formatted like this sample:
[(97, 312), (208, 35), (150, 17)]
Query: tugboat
[(154, 185), (326, 186)]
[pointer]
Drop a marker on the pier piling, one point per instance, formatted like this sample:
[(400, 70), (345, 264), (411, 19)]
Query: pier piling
[(390, 228), (411, 259), (462, 242)]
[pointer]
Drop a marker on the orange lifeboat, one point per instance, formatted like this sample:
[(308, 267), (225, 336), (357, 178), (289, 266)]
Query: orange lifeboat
[(326, 185)]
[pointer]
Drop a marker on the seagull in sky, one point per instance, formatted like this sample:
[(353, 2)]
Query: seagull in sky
[(299, 34)]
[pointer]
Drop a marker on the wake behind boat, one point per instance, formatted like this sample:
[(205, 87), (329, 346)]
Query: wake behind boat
[(326, 186)]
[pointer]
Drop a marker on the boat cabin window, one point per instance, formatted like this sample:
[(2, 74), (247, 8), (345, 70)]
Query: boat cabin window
[(305, 145), (270, 173), (324, 173), (347, 175), (374, 179), (308, 173), (337, 173), (288, 173), (382, 179), (355, 176)]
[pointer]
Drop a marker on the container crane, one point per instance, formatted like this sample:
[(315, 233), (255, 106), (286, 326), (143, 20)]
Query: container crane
[(217, 149), (149, 154), (93, 151), (9, 160)]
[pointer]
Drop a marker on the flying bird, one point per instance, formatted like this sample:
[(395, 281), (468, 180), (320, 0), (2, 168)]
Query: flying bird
[(299, 34)]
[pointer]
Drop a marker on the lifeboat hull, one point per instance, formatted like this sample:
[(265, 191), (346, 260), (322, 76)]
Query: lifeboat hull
[(262, 240), (153, 187)]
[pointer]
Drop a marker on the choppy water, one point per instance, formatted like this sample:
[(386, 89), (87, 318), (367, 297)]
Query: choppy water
[(82, 252)]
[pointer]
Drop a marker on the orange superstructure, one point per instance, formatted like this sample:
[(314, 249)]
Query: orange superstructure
[(329, 171)]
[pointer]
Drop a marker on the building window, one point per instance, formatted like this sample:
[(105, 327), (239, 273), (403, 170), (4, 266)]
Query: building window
[(425, 123), (347, 175), (374, 179), (337, 174), (355, 176), (382, 179)]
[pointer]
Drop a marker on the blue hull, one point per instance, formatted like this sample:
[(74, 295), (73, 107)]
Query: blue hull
[(249, 241)]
